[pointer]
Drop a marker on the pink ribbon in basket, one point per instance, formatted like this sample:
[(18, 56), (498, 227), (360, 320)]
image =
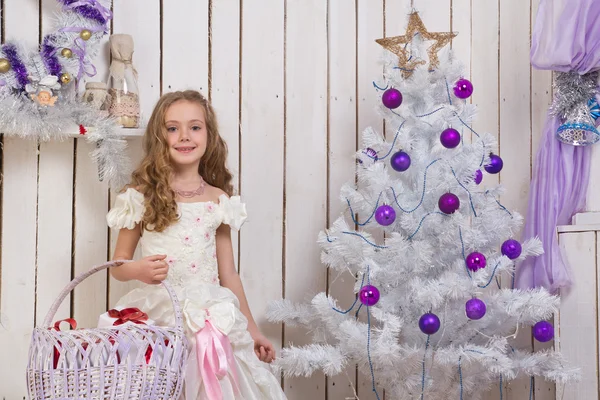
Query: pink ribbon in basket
[(215, 359)]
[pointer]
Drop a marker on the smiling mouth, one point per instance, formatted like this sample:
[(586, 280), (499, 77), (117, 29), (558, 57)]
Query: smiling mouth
[(185, 149)]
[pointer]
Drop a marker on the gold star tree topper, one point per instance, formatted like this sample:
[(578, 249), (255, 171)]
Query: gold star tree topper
[(398, 44)]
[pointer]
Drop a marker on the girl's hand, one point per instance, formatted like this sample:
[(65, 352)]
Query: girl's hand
[(263, 348), (152, 269)]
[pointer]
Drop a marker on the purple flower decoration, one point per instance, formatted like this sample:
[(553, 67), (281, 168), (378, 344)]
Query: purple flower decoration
[(93, 10), (49, 56), (10, 51)]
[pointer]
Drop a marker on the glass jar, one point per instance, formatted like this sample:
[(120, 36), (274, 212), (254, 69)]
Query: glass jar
[(96, 95), (123, 82)]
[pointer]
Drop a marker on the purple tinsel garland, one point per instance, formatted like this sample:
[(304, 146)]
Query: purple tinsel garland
[(86, 11), (10, 51), (49, 57)]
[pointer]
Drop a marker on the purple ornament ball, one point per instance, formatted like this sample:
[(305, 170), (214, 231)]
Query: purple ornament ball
[(511, 249), (475, 309), (495, 165), (369, 295), (400, 161), (543, 331), (463, 88), (478, 177), (392, 98), (449, 203), (475, 261), (450, 138), (371, 153), (429, 323), (385, 215)]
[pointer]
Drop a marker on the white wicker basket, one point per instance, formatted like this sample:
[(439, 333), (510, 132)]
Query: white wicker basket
[(125, 362)]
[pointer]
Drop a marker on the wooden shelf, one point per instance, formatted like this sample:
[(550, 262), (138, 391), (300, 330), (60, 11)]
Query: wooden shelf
[(582, 222), (578, 228), (127, 133)]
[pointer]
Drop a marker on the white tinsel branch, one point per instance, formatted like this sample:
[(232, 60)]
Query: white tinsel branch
[(305, 360)]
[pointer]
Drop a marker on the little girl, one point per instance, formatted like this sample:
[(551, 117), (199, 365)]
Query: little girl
[(178, 206)]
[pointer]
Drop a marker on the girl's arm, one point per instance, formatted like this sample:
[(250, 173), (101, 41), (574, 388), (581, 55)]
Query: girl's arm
[(228, 275), (151, 270), (230, 279)]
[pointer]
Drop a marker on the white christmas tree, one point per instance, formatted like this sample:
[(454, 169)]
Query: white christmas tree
[(424, 324)]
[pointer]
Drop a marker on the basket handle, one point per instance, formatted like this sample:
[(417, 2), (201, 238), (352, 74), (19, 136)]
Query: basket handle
[(81, 277)]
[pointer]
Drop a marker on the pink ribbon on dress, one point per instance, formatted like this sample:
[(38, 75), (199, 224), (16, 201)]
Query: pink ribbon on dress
[(215, 358)]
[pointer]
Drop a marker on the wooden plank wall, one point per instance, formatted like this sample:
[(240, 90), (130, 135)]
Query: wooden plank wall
[(291, 81), (577, 320)]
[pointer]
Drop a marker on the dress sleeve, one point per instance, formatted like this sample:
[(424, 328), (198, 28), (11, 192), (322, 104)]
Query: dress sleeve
[(234, 211), (127, 211)]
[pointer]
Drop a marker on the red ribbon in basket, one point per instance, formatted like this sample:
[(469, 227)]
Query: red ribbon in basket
[(131, 314), (73, 324), (149, 350)]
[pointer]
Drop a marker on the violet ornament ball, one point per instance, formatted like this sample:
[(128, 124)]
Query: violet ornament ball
[(475, 309), (400, 161), (392, 98), (450, 138), (463, 88), (475, 261), (543, 331), (495, 165), (449, 203), (511, 249), (369, 295), (429, 323), (385, 215), (478, 177), (372, 154)]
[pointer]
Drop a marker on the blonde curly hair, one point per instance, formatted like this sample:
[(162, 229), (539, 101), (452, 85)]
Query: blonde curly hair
[(152, 177)]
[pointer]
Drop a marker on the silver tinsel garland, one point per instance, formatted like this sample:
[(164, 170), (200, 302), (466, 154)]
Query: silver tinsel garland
[(21, 115)]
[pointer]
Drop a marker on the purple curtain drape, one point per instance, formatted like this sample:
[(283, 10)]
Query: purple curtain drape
[(566, 38)]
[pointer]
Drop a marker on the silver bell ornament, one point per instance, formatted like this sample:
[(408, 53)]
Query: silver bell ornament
[(578, 128), (573, 106)]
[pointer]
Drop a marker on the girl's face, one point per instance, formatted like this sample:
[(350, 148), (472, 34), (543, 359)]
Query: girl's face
[(186, 133)]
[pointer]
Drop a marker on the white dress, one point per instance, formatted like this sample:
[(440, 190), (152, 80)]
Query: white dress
[(191, 253)]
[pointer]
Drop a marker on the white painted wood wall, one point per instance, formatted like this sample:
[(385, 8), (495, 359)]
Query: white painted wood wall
[(291, 82), (578, 316)]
